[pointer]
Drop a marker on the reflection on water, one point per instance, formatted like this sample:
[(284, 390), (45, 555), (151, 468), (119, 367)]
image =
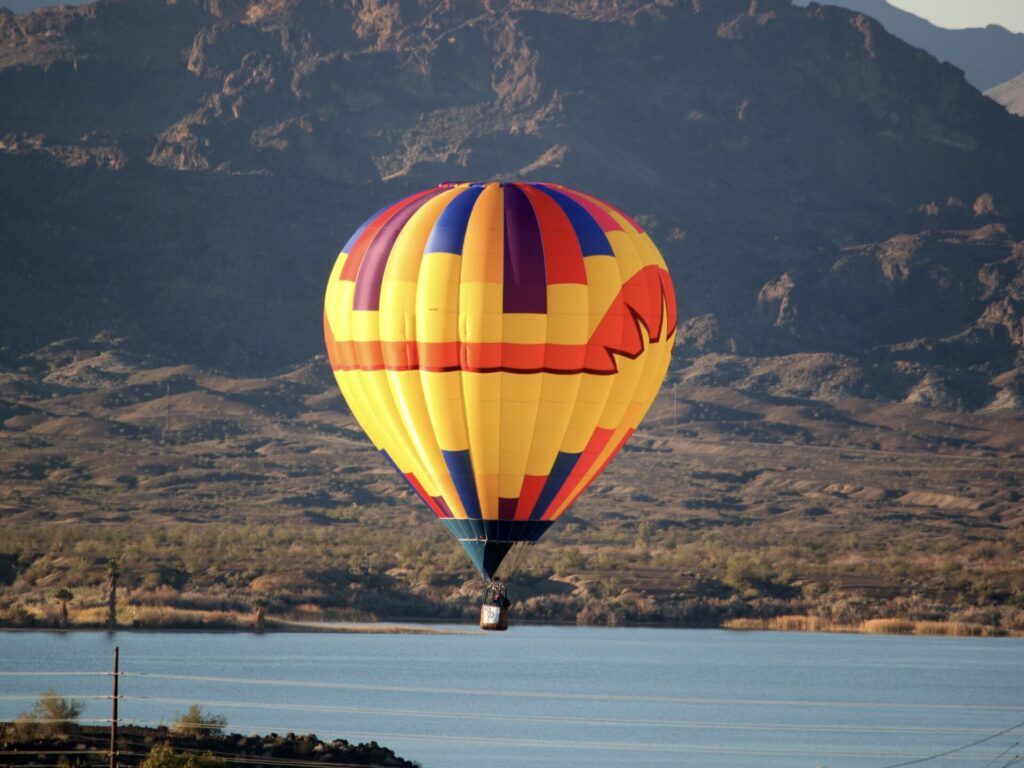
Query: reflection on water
[(563, 696)]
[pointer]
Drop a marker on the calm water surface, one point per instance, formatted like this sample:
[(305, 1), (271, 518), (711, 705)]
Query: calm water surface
[(565, 696)]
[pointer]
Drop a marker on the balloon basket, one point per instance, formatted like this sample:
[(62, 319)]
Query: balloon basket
[(494, 617)]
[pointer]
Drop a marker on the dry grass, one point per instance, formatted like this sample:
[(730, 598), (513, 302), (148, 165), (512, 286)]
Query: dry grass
[(143, 616), (888, 627), (165, 617), (162, 595), (871, 626), (787, 624), (948, 628)]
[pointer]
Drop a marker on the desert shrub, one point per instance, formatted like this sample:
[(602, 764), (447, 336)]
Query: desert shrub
[(974, 614), (1012, 618), (842, 608), (695, 611), (571, 560), (753, 577), (599, 613), (51, 715), (550, 607), (196, 722), (162, 594), (163, 756)]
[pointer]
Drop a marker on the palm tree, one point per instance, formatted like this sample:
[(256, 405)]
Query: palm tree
[(64, 596), (112, 573)]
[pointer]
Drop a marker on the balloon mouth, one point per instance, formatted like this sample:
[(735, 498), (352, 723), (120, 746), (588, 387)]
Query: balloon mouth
[(487, 542)]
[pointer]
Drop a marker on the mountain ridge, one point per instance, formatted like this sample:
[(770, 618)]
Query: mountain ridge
[(988, 55), (184, 174)]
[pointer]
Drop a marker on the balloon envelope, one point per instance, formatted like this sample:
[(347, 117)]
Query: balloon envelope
[(499, 343)]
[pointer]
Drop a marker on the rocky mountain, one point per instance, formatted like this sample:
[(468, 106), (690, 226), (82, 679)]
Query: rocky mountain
[(182, 174), (1010, 94), (988, 56)]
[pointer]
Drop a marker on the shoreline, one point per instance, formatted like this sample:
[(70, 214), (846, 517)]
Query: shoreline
[(428, 626)]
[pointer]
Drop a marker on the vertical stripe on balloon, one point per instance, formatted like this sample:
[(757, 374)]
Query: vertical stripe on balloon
[(560, 472), (359, 232), (371, 271), (449, 232), (563, 257), (604, 219), (533, 485), (582, 196), (370, 230), (587, 459), (410, 478), (507, 508), (525, 282), (577, 489), (593, 241), (460, 467)]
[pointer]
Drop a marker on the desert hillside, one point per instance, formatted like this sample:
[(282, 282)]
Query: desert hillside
[(841, 431)]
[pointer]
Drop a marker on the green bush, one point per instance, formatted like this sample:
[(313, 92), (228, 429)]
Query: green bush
[(51, 715), (194, 721), (163, 756)]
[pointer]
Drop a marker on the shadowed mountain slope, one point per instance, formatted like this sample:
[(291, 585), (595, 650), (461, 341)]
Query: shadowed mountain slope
[(183, 174)]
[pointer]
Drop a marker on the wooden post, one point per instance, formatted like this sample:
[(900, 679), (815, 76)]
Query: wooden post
[(113, 717)]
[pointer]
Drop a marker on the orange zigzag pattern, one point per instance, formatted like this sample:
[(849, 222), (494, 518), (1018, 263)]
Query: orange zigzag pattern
[(645, 299)]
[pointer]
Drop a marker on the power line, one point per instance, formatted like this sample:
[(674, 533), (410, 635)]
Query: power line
[(56, 674), (67, 720), (1001, 755), (572, 696), (489, 740), (575, 720), (34, 751), (958, 749), (81, 697)]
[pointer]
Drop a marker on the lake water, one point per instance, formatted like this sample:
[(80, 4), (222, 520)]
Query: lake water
[(564, 696)]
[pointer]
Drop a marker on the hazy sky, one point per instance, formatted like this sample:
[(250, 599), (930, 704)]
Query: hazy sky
[(967, 13)]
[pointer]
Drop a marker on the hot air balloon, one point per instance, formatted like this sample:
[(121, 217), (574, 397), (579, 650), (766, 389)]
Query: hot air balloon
[(499, 343)]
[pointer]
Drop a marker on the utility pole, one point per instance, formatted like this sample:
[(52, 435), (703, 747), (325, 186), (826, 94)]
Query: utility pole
[(113, 717)]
